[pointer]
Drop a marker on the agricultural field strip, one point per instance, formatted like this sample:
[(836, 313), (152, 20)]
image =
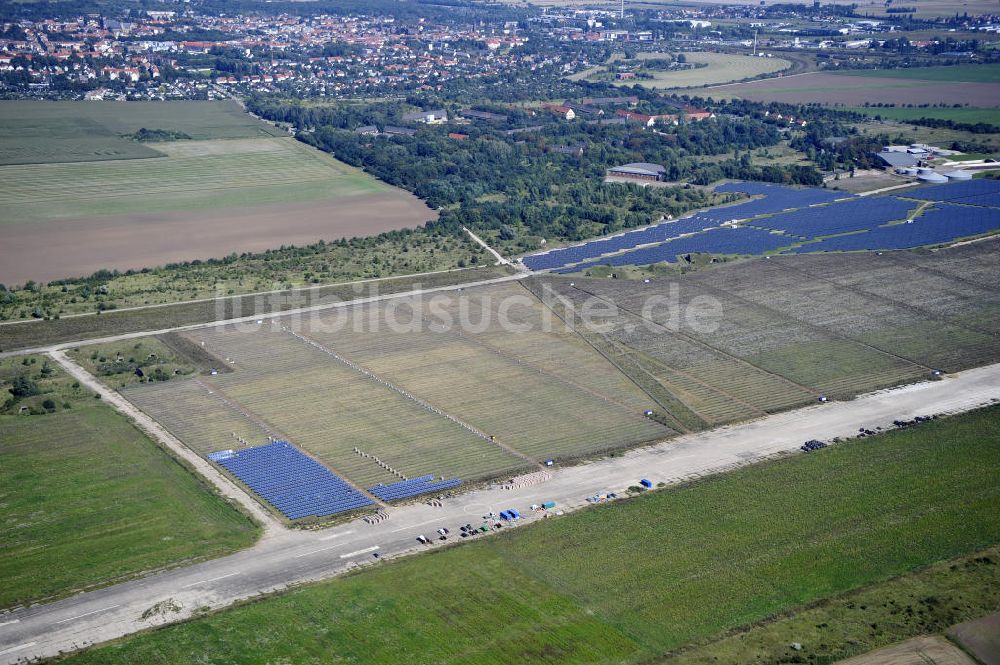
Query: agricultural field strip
[(522, 362), (408, 395), (712, 398), (755, 410), (84, 181), (809, 324), (910, 260), (854, 317), (698, 342), (921, 311), (539, 416)]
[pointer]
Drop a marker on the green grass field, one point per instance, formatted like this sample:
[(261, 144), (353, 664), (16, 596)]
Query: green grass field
[(37, 132), (963, 114), (989, 73), (927, 601), (194, 176), (631, 580), (89, 499)]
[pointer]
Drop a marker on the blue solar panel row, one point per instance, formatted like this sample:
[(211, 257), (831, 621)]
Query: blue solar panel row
[(659, 233), (291, 481), (741, 240), (985, 200), (953, 191), (853, 215), (942, 223), (412, 487), (777, 198)]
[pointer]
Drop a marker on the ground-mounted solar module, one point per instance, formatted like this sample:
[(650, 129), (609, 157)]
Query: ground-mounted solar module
[(955, 191), (739, 240), (840, 217), (412, 487), (945, 222), (776, 199), (291, 481)]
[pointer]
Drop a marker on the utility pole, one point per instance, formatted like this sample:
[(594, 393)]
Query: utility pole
[(755, 42), (621, 12)]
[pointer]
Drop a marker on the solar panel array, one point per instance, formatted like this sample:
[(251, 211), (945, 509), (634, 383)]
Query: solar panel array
[(291, 481), (942, 223), (776, 199), (853, 215), (659, 233), (740, 240), (956, 191), (987, 200), (412, 487), (796, 213)]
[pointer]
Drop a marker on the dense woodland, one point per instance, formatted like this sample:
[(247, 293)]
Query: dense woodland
[(513, 182)]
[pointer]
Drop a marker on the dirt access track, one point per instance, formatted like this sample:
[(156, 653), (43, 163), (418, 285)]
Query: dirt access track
[(81, 246)]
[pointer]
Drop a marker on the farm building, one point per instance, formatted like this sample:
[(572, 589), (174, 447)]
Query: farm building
[(367, 130), (897, 160), (638, 171), (472, 114), (432, 117), (399, 131)]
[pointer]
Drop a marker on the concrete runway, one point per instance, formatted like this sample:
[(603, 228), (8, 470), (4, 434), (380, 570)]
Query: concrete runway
[(288, 557)]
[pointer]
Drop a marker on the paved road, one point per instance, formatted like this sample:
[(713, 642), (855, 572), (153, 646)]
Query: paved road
[(293, 557)]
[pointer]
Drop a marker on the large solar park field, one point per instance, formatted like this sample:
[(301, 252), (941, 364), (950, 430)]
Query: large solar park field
[(790, 220), (378, 406), (395, 414)]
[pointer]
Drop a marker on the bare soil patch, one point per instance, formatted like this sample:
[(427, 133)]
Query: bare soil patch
[(980, 638), (826, 88), (81, 246), (918, 651)]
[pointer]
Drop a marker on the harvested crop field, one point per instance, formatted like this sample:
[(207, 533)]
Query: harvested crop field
[(44, 132), (981, 638), (82, 246), (829, 88), (81, 195), (205, 199)]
